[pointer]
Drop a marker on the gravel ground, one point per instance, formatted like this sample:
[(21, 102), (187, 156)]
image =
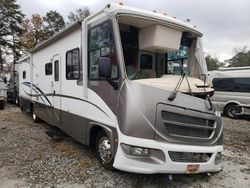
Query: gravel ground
[(29, 158)]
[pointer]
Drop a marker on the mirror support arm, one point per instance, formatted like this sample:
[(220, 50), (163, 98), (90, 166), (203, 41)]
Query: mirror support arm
[(113, 83)]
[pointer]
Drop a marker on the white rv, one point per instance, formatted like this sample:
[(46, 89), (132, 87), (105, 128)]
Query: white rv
[(104, 82)]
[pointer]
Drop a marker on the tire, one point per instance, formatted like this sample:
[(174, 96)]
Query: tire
[(103, 148), (17, 100), (231, 110), (34, 116)]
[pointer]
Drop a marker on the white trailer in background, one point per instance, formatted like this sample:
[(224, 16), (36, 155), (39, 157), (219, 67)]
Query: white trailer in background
[(104, 81)]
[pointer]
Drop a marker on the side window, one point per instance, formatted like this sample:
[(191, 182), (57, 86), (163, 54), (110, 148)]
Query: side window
[(101, 44), (241, 85), (73, 64), (222, 84), (56, 69), (146, 61), (48, 69), (24, 74)]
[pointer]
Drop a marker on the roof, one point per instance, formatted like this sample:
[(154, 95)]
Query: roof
[(116, 10)]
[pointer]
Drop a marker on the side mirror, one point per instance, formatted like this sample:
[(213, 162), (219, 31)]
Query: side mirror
[(105, 70), (105, 67)]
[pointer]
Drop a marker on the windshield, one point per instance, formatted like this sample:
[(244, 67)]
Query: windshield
[(144, 63)]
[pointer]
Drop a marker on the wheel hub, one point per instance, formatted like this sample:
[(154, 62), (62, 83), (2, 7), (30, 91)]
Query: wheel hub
[(104, 150)]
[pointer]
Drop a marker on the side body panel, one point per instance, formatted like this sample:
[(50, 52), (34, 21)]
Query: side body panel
[(67, 104)]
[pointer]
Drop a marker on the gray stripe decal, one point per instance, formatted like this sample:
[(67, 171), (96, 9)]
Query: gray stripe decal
[(59, 95)]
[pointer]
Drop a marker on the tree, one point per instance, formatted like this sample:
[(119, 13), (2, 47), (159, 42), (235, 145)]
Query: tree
[(79, 14), (10, 30), (33, 32), (212, 63), (54, 23), (241, 57)]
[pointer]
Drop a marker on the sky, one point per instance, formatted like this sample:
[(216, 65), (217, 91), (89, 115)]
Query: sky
[(224, 23)]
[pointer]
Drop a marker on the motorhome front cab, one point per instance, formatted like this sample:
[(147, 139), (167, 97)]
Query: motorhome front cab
[(104, 81)]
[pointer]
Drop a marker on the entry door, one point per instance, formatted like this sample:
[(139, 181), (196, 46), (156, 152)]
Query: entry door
[(56, 91)]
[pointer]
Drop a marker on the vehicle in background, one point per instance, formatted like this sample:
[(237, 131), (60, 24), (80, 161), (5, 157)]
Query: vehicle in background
[(104, 81), (3, 90), (13, 85), (232, 90), (3, 87)]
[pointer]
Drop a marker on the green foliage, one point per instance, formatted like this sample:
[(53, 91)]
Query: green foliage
[(212, 63), (79, 14), (54, 22), (241, 58), (10, 30)]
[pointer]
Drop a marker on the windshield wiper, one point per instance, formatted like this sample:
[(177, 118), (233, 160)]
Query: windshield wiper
[(173, 94), (183, 75)]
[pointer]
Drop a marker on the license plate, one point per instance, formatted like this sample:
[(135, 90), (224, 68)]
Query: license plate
[(192, 169)]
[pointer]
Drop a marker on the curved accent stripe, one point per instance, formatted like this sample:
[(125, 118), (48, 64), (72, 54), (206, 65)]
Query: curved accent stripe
[(58, 95)]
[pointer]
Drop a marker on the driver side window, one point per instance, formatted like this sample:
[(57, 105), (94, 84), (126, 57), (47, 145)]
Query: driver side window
[(101, 44)]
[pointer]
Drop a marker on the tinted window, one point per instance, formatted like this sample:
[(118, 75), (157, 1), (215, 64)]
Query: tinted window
[(73, 64), (56, 69), (48, 69), (24, 74), (146, 61), (101, 44), (232, 84)]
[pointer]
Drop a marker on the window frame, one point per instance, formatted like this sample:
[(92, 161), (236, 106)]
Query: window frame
[(89, 51), (79, 62), (47, 64)]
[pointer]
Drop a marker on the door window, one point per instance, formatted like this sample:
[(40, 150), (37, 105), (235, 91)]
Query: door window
[(56, 69), (101, 44)]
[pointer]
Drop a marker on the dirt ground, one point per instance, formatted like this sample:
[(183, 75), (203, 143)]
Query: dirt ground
[(29, 158)]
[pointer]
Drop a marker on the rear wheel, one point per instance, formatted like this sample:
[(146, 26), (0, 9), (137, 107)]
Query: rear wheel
[(233, 110), (16, 100), (103, 148), (34, 116)]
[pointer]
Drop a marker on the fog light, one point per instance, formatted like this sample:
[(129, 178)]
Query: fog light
[(218, 158), (136, 150)]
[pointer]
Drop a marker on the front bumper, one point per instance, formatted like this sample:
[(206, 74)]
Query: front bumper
[(138, 164)]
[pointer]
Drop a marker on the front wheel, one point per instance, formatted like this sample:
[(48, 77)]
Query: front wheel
[(103, 148), (233, 111)]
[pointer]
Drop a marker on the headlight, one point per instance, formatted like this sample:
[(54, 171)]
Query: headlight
[(217, 113)]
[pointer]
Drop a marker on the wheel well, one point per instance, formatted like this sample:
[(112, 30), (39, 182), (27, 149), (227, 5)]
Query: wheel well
[(31, 107), (231, 103), (93, 134)]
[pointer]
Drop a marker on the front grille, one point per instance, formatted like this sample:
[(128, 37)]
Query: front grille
[(180, 125), (170, 116), (187, 131), (189, 157)]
